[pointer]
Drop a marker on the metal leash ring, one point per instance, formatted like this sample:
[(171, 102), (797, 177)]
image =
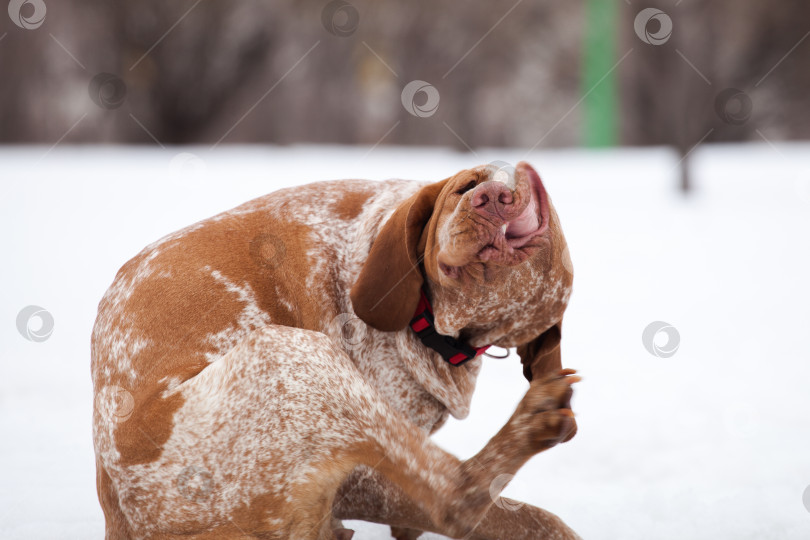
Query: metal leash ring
[(487, 353)]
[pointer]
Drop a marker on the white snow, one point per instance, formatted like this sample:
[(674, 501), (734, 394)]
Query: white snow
[(711, 443)]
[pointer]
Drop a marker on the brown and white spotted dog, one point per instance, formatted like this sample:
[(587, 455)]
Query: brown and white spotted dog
[(237, 394)]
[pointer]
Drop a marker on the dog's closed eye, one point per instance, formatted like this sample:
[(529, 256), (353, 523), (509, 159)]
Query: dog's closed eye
[(467, 187)]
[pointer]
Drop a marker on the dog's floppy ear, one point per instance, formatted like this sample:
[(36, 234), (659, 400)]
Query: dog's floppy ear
[(542, 354), (386, 293)]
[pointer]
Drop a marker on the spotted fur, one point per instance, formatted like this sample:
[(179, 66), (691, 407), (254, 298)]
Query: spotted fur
[(237, 392)]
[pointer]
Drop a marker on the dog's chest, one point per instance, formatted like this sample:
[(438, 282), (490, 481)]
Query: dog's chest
[(405, 395), (413, 379), (383, 364)]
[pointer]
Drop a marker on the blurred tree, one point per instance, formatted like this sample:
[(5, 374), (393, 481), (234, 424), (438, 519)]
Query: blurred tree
[(508, 73), (675, 93)]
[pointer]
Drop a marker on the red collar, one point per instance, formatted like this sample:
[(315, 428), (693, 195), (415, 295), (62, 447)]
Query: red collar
[(452, 350)]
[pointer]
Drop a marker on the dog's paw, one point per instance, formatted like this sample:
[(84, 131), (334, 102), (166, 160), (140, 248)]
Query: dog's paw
[(545, 414)]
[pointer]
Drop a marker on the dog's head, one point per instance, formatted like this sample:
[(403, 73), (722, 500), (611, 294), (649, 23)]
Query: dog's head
[(489, 248)]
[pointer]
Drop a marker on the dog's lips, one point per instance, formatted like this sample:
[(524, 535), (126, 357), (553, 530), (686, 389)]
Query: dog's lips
[(526, 224)]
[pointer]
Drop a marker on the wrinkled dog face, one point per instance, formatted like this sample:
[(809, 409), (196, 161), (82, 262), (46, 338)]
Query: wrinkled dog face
[(490, 218), (492, 250)]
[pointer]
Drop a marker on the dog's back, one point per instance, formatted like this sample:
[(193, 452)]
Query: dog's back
[(187, 299)]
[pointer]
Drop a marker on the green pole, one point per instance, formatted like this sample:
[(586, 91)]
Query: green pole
[(599, 82)]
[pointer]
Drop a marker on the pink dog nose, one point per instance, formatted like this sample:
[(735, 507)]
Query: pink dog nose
[(493, 198)]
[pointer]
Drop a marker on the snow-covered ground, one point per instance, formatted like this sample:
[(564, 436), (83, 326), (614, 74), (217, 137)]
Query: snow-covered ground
[(712, 442)]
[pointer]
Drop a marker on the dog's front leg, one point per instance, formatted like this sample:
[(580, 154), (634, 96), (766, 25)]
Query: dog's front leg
[(542, 419), (458, 499)]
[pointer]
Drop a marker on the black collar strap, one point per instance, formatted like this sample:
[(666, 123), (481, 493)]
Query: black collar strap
[(452, 350)]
